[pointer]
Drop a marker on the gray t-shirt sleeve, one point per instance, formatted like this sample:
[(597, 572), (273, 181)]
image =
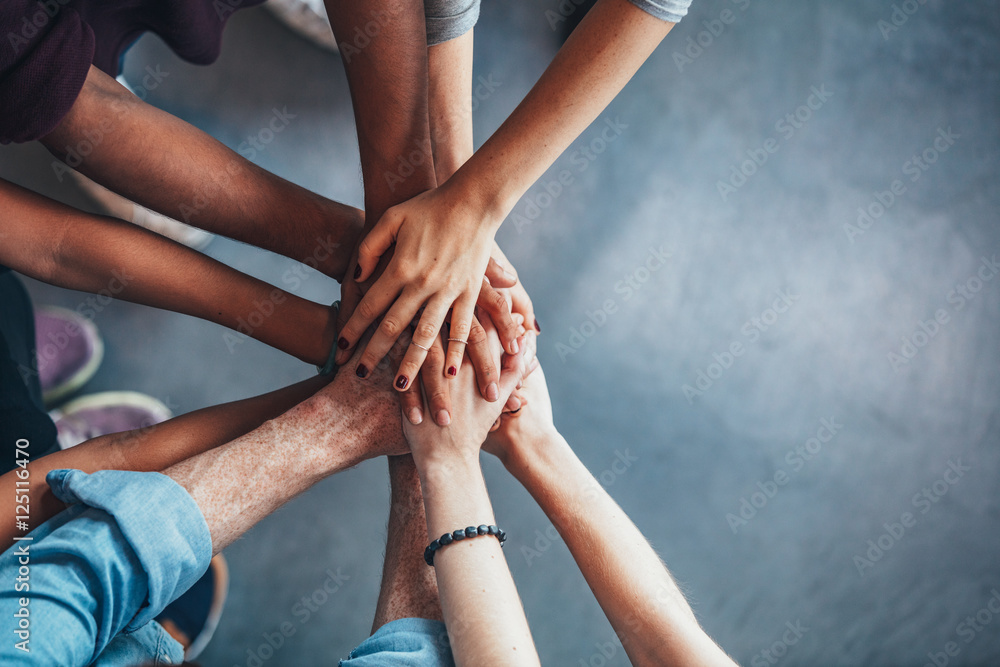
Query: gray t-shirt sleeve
[(668, 10), (448, 19)]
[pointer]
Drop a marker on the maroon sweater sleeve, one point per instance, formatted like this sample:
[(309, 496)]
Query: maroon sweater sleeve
[(44, 59)]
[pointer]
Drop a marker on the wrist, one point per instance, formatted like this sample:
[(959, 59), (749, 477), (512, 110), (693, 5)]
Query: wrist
[(489, 202), (537, 454), (435, 467)]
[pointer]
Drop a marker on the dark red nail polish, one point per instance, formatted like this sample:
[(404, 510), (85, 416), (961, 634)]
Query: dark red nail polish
[(452, 371), (357, 271), (362, 371), (401, 382), (342, 343), (537, 328)]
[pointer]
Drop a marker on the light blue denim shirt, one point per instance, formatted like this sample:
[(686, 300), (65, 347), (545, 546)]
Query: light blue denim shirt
[(100, 571)]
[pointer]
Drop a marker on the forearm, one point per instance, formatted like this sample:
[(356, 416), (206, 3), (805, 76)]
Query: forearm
[(154, 448), (238, 484), (483, 613), (631, 583), (388, 81), (450, 104), (599, 58), (65, 247), (167, 165)]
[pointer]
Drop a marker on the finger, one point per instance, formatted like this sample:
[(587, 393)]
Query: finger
[(437, 389), (496, 424), (495, 306), (379, 298), (511, 372), (412, 403), (500, 275), (521, 303), (376, 242), (482, 361), (392, 326), (426, 332), (458, 333), (350, 297)]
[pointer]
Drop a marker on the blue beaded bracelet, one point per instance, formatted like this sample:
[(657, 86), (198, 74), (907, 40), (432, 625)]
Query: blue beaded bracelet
[(460, 534)]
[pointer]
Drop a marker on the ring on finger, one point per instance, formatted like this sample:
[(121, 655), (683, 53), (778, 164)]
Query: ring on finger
[(458, 340), (425, 349)]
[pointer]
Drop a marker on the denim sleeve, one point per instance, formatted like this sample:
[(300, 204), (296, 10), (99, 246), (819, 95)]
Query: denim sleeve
[(448, 19), (668, 10), (128, 545)]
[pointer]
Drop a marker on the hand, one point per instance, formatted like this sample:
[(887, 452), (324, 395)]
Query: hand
[(521, 431), (373, 405), (472, 419), (440, 258), (519, 301)]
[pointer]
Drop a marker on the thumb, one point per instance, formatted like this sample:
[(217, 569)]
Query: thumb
[(375, 243), (500, 275)]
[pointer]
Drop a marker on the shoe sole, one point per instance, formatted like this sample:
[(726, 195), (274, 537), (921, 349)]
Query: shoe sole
[(86, 373), (221, 592), (109, 398)]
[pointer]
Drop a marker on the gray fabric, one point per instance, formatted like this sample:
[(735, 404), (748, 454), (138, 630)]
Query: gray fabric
[(668, 10), (448, 19)]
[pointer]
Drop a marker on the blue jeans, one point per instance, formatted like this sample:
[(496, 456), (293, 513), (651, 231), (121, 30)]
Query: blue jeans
[(84, 587)]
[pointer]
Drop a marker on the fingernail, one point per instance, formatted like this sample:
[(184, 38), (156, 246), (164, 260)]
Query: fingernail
[(492, 392), (342, 343), (361, 371), (443, 418), (414, 416), (515, 404), (508, 275), (513, 347), (452, 371), (357, 271), (537, 328), (401, 382)]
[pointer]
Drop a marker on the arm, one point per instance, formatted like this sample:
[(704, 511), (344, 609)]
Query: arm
[(169, 166), (647, 610), (387, 76), (483, 613), (63, 246), (442, 238), (100, 567), (154, 448)]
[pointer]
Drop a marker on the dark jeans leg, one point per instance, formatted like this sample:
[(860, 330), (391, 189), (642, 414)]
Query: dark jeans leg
[(22, 412)]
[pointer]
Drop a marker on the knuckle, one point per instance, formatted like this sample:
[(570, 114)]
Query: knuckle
[(390, 327), (367, 309), (477, 336), (427, 331)]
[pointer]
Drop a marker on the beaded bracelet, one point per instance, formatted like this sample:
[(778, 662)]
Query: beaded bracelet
[(458, 535)]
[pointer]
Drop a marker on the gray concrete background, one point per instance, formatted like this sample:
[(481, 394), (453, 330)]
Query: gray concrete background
[(621, 391)]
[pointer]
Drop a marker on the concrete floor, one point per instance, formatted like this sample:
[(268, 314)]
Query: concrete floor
[(799, 553)]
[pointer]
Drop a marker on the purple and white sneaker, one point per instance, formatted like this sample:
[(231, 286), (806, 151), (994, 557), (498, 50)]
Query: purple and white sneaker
[(95, 415), (68, 350)]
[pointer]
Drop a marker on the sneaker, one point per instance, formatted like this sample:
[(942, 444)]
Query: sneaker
[(68, 350), (307, 18), (95, 415), (192, 618)]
